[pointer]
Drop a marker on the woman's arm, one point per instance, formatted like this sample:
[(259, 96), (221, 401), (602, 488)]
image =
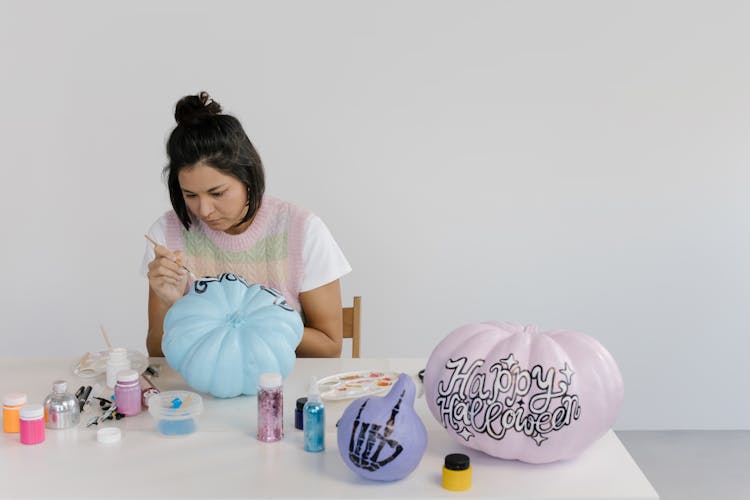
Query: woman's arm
[(167, 280), (324, 326), (157, 309)]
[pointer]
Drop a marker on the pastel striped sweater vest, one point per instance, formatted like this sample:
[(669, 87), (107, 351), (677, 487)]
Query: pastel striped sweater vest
[(269, 252)]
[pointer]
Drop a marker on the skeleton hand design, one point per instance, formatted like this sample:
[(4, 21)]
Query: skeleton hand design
[(368, 440)]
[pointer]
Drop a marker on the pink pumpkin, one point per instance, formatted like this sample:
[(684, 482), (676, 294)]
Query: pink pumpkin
[(516, 393)]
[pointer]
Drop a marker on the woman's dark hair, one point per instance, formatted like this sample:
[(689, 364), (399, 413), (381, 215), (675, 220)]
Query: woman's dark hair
[(203, 134)]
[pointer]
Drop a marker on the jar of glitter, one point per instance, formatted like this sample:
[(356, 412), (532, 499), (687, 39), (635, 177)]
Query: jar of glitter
[(32, 424), (270, 408)]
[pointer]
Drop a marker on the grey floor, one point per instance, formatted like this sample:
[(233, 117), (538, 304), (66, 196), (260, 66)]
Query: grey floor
[(693, 465)]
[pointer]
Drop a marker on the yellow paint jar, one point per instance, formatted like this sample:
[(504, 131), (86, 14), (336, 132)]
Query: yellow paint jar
[(12, 404), (456, 472)]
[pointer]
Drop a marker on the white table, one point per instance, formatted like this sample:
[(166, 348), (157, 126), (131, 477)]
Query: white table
[(223, 459)]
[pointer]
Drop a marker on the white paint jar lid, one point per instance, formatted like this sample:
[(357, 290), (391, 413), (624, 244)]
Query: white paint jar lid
[(15, 399), (31, 412), (108, 435), (127, 375)]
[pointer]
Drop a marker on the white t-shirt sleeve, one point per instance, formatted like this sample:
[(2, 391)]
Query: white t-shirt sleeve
[(322, 258), (158, 232)]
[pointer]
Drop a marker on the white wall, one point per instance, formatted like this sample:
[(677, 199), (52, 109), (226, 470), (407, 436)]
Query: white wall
[(578, 165)]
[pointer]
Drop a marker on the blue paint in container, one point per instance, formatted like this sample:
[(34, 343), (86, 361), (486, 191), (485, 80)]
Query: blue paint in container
[(176, 427), (176, 412)]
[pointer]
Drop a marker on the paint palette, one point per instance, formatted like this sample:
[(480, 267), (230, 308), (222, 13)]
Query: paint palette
[(355, 384), (93, 364)]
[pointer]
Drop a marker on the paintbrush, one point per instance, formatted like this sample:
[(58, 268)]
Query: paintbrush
[(149, 238), (106, 337)]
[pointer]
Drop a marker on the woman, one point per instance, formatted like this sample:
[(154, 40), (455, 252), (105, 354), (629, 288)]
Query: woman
[(223, 222)]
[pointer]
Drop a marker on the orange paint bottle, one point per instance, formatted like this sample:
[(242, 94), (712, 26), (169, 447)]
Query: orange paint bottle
[(12, 404)]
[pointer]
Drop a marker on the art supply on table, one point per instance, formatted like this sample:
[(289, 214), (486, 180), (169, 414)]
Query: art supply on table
[(149, 391), (128, 392), (298, 413), (270, 408), (32, 424), (108, 435), (118, 361), (62, 410), (96, 364), (179, 263), (314, 420), (82, 395), (176, 412), (83, 365), (457, 472), (109, 412), (106, 337), (351, 385), (12, 404)]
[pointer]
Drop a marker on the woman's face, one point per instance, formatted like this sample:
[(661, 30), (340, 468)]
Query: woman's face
[(218, 199)]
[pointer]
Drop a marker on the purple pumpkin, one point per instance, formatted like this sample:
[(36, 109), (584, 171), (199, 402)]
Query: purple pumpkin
[(383, 438), (516, 393)]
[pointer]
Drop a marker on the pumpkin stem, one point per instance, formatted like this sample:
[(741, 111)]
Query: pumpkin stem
[(403, 384)]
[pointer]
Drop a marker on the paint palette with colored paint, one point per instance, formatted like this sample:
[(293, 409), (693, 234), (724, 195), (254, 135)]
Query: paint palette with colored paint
[(355, 384)]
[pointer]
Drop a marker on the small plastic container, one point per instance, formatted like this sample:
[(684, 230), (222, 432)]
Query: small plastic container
[(270, 408), (12, 404), (176, 412), (457, 472), (32, 424), (116, 362), (300, 405), (314, 420), (109, 435), (128, 393)]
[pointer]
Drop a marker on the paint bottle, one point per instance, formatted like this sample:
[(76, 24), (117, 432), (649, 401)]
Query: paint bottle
[(270, 408), (61, 409), (12, 404), (116, 362), (314, 420), (128, 393), (457, 472), (32, 424), (298, 412)]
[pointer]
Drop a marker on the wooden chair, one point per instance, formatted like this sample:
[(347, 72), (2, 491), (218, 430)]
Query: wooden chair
[(351, 324)]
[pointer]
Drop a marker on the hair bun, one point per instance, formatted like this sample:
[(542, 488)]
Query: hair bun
[(192, 109)]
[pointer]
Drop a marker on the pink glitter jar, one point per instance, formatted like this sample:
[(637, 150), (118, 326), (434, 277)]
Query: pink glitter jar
[(270, 408), (32, 424)]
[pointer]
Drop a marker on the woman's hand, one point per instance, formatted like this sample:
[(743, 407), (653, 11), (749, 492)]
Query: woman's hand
[(166, 276)]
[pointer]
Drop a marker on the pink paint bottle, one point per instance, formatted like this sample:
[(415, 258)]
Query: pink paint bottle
[(128, 393), (32, 424)]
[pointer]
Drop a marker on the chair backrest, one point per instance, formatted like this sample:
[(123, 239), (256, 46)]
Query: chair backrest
[(351, 324)]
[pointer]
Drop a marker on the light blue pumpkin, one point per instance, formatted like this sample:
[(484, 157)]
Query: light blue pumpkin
[(383, 438), (224, 333)]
